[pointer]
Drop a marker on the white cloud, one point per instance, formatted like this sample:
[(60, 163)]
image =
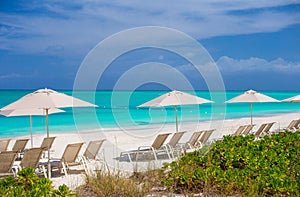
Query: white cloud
[(229, 65), (10, 76), (79, 26)]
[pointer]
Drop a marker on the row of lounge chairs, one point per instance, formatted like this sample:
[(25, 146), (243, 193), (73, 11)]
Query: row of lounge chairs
[(264, 128), (171, 150), (10, 165), (245, 130), (19, 145), (34, 158)]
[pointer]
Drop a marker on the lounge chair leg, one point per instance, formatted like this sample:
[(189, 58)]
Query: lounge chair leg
[(154, 154), (136, 156), (85, 167), (169, 152), (14, 171), (64, 169), (129, 157), (84, 164), (44, 171)]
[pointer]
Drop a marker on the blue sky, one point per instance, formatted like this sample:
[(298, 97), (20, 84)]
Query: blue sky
[(256, 44)]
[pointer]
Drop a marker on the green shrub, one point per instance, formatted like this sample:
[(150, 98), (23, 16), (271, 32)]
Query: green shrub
[(29, 184), (241, 166)]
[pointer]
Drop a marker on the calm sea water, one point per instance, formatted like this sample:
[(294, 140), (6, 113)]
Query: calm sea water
[(119, 109)]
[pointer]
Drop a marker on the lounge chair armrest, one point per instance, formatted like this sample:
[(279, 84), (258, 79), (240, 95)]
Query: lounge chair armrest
[(55, 159), (141, 148), (166, 146)]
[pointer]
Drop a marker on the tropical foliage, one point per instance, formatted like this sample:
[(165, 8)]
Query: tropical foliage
[(241, 166), (29, 184)]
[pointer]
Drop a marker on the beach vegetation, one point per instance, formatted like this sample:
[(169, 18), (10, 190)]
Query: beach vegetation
[(27, 183), (106, 183), (233, 166), (240, 166)]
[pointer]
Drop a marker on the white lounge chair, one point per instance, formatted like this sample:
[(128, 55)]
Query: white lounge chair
[(171, 146), (91, 153), (7, 159), (30, 159), (68, 159), (144, 151)]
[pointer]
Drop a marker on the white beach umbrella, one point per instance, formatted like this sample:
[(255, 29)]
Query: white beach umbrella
[(175, 98), (30, 113), (251, 97), (294, 99), (46, 99)]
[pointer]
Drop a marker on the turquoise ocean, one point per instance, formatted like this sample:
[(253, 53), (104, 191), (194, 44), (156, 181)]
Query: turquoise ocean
[(119, 109)]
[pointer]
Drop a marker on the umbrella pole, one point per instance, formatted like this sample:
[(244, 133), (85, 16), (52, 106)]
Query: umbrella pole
[(48, 148), (30, 125), (176, 114), (251, 113)]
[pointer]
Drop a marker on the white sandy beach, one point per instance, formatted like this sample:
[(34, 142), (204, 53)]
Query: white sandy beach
[(122, 139)]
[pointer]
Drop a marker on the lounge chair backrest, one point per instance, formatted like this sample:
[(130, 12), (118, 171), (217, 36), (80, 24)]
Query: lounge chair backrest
[(47, 141), (260, 129), (248, 129), (206, 136), (292, 124), (31, 158), (93, 149), (297, 125), (195, 137), (4, 144), (20, 145), (71, 152), (175, 139), (7, 159), (239, 130), (268, 127), (159, 140)]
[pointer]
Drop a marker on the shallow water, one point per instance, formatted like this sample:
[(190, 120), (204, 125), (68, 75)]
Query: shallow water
[(119, 109)]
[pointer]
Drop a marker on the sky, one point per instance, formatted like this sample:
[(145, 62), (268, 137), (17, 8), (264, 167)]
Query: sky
[(255, 44)]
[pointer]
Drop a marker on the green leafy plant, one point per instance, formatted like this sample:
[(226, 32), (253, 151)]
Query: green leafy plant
[(29, 184), (241, 166), (63, 190)]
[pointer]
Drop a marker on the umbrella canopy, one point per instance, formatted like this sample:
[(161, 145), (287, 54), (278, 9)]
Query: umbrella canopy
[(175, 98), (294, 99), (46, 99), (251, 96), (29, 112)]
